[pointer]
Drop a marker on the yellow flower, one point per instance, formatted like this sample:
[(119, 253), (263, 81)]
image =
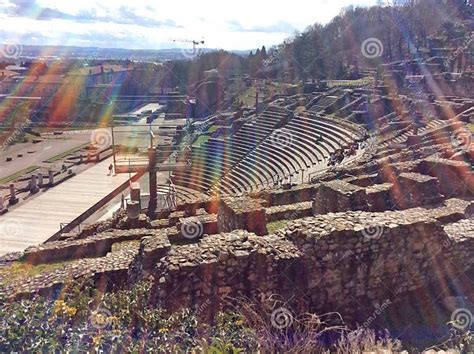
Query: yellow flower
[(71, 311), (96, 340), (58, 306), (163, 330)]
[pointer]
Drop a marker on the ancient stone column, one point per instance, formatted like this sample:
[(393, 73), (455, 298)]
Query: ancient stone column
[(135, 193), (33, 184), (51, 177), (40, 179), (13, 198), (152, 204), (133, 210), (1, 203)]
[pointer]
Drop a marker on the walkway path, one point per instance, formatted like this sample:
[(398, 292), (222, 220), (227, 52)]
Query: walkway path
[(40, 218)]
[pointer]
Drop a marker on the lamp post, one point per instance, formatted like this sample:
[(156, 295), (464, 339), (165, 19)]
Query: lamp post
[(152, 204)]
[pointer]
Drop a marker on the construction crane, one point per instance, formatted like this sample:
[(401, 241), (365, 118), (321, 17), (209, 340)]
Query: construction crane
[(194, 42)]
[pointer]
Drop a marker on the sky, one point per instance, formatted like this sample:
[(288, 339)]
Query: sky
[(157, 24)]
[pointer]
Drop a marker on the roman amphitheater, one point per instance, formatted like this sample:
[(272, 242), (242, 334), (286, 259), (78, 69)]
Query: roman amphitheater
[(331, 198)]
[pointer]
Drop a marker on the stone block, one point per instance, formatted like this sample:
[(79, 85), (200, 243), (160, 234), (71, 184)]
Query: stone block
[(336, 196), (456, 178), (299, 194), (243, 213), (416, 189), (195, 227), (378, 197), (135, 193), (152, 250)]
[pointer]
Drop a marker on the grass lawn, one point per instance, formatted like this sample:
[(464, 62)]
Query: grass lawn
[(18, 174), (212, 129), (471, 127), (201, 140), (66, 153)]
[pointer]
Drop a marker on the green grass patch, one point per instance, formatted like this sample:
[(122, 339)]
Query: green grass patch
[(212, 129), (66, 153), (22, 270), (277, 225), (18, 174), (471, 127), (248, 97), (201, 140)]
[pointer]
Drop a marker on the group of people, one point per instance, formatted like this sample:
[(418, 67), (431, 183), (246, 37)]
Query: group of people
[(337, 156)]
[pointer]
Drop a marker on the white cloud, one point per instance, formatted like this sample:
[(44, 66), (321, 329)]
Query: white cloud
[(243, 24)]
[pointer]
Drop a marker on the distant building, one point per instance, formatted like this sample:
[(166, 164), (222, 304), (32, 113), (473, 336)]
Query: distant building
[(4, 75), (95, 79), (44, 86), (62, 96), (17, 68)]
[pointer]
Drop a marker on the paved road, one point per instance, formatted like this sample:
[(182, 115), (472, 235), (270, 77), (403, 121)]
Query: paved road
[(36, 221), (40, 218), (35, 154)]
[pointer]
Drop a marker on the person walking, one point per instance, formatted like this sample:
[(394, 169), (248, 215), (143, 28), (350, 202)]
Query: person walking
[(111, 168)]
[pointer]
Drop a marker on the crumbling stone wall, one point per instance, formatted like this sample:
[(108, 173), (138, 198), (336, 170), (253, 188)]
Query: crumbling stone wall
[(320, 263), (242, 213), (339, 196), (336, 260), (94, 246), (455, 177), (222, 266)]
